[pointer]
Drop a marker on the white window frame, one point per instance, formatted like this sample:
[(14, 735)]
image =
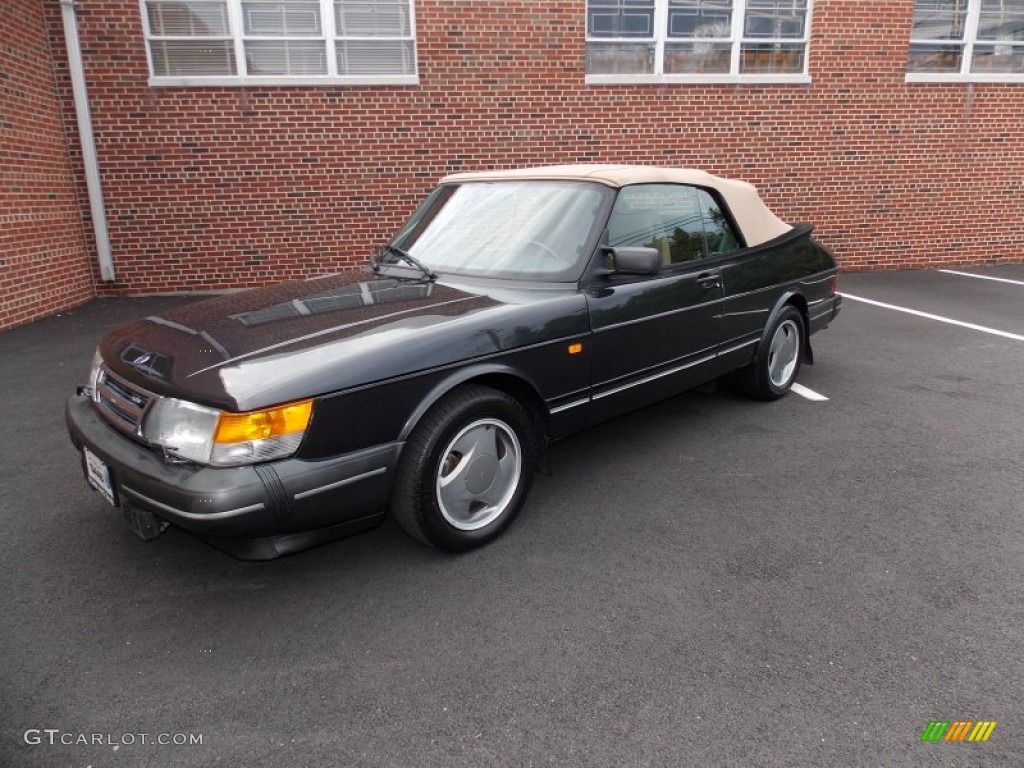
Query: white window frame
[(736, 39), (971, 22), (242, 78)]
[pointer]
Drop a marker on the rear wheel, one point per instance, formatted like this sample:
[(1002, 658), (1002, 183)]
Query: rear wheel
[(466, 469), (777, 362)]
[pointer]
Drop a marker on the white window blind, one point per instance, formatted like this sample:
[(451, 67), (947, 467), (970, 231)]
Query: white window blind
[(374, 36), (225, 42), (697, 40)]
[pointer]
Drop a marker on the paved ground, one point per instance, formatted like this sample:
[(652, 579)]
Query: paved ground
[(709, 582)]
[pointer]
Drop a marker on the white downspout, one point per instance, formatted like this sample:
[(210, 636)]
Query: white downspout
[(92, 168)]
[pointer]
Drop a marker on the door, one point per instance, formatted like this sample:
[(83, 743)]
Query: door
[(656, 335)]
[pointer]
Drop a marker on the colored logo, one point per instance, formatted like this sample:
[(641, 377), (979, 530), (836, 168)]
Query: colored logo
[(958, 730)]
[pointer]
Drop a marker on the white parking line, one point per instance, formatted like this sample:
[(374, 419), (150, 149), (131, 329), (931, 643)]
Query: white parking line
[(982, 277), (810, 394), (940, 318)]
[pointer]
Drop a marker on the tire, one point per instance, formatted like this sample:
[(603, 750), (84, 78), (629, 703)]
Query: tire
[(466, 469), (777, 362)]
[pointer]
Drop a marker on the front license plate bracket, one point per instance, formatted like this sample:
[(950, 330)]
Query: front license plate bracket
[(99, 477)]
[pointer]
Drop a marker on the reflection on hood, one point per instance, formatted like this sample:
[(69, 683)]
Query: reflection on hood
[(362, 294)]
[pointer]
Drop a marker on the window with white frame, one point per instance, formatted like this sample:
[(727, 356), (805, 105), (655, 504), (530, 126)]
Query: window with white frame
[(967, 39), (697, 40), (226, 42)]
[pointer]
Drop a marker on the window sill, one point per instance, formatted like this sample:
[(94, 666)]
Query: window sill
[(698, 79), (973, 77), (295, 82)]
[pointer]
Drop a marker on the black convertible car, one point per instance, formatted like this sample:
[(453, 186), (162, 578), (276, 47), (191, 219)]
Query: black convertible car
[(514, 308)]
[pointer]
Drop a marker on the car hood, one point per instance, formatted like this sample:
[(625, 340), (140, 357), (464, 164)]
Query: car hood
[(306, 338)]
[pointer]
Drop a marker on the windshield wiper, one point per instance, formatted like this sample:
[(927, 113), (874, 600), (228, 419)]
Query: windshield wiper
[(404, 256)]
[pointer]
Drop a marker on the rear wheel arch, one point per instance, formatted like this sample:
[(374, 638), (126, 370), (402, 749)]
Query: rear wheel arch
[(796, 299), (782, 348)]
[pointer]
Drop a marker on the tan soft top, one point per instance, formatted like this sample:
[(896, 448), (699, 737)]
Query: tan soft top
[(757, 223)]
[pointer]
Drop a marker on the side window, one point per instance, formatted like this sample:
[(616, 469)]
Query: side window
[(721, 238), (666, 217)]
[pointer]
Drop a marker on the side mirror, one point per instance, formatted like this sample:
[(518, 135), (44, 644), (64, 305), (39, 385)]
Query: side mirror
[(635, 261)]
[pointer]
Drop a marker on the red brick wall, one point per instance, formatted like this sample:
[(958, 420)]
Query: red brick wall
[(223, 187), (43, 266)]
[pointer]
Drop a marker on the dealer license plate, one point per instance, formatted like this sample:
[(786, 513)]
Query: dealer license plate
[(98, 475)]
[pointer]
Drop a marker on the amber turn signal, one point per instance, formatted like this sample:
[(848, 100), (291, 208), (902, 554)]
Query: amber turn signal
[(260, 425)]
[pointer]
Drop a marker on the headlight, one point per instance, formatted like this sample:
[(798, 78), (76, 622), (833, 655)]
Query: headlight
[(217, 438), (185, 429)]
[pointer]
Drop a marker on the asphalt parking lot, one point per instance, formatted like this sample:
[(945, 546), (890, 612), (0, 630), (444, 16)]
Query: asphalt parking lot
[(710, 581)]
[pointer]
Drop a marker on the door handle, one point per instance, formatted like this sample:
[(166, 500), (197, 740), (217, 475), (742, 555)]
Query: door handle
[(709, 280)]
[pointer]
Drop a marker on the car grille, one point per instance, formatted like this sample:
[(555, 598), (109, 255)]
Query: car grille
[(122, 404)]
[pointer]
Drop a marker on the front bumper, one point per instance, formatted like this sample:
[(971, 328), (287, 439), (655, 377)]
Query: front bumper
[(255, 512)]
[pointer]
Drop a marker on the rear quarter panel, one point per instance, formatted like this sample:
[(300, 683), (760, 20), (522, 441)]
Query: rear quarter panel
[(755, 280)]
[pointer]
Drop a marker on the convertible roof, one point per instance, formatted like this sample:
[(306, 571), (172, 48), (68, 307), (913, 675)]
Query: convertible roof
[(757, 223)]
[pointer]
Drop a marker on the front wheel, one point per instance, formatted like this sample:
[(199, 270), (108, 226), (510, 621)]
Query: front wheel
[(777, 362), (466, 469)]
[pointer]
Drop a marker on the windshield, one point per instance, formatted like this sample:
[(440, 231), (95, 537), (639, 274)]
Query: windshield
[(532, 230)]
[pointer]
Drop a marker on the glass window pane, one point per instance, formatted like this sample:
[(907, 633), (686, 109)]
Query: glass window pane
[(934, 58), (717, 230), (698, 58), (683, 229), (1001, 20), (620, 58), (527, 229), (376, 57), (291, 19), (775, 18), (665, 217), (939, 19), (620, 18), (185, 19), (185, 57), (700, 18), (771, 58), (286, 57), (998, 59), (372, 18)]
